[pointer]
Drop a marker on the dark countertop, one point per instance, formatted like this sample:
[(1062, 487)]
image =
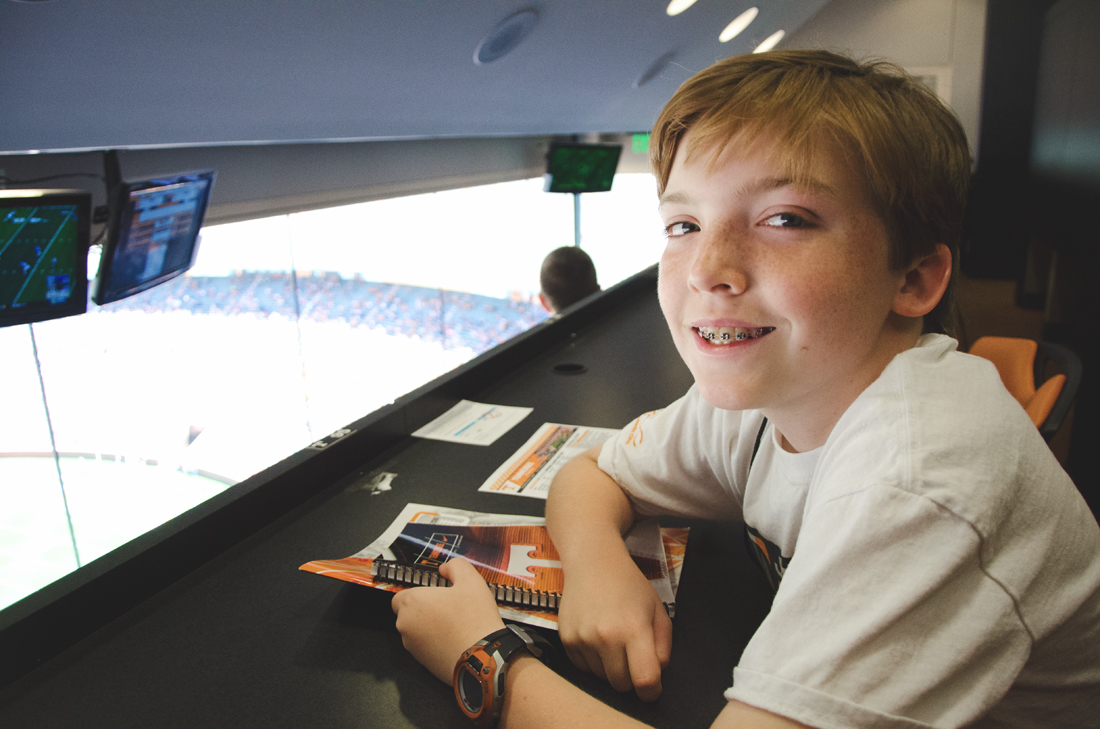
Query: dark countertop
[(248, 640)]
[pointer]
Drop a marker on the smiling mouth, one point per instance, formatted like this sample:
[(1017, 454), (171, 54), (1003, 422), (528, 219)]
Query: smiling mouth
[(729, 335)]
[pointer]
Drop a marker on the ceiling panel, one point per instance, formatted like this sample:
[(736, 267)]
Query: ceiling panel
[(124, 74)]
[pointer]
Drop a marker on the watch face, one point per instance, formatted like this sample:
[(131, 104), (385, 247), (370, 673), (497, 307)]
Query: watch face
[(470, 690), (479, 674)]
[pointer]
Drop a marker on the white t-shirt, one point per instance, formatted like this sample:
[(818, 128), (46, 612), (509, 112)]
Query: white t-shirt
[(937, 565)]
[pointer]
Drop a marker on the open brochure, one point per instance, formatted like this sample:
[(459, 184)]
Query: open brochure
[(531, 469), (513, 553)]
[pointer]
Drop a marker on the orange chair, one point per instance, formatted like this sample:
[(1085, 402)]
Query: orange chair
[(1022, 363)]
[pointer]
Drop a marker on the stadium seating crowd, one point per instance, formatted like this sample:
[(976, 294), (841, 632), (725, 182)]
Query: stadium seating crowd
[(453, 318)]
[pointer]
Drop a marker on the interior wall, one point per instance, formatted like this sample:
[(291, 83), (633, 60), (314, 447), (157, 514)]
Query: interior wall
[(1064, 189), (941, 40), (1066, 147), (1001, 205)]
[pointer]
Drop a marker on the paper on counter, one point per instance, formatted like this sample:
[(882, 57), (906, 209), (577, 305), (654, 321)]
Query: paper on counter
[(531, 469), (473, 423)]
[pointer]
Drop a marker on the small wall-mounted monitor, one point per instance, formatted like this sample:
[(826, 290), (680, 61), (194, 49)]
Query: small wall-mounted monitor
[(575, 167), (43, 254), (153, 233)]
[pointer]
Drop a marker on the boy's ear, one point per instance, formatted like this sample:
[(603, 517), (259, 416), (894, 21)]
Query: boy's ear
[(924, 283)]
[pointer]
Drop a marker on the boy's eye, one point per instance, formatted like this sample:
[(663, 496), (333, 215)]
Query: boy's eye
[(786, 220), (680, 229)]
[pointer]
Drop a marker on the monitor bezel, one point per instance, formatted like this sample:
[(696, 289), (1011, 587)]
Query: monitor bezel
[(101, 292), (78, 299)]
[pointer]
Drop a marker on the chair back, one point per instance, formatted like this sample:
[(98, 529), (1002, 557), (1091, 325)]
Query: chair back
[(1015, 362), (1070, 365), (1021, 364)]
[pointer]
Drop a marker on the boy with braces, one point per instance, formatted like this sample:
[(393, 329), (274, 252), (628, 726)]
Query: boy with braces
[(933, 564)]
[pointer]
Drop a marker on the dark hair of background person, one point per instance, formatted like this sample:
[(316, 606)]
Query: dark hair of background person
[(567, 276)]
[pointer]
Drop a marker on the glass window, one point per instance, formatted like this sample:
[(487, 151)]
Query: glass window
[(286, 329)]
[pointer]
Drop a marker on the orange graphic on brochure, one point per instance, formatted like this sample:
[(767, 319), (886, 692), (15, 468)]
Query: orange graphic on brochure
[(534, 458)]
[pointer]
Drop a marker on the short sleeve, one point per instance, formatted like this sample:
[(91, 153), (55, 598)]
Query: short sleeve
[(886, 618), (684, 460)]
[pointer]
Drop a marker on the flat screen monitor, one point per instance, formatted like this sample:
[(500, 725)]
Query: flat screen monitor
[(43, 254), (153, 233), (576, 167)]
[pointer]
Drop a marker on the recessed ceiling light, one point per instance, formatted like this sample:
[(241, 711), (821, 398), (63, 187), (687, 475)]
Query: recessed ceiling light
[(739, 23), (678, 6), (506, 36), (23, 193), (770, 41)]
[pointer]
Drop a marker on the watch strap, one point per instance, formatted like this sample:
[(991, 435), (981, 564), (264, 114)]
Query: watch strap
[(498, 648), (513, 637)]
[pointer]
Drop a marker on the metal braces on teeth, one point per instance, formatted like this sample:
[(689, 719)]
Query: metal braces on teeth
[(721, 335)]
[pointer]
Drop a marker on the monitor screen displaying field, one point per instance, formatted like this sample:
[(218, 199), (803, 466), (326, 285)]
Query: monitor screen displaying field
[(581, 167), (39, 258)]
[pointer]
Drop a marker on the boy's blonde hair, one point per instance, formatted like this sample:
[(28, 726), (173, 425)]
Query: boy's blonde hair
[(906, 144)]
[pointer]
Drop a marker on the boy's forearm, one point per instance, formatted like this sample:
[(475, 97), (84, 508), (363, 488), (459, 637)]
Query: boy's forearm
[(585, 507), (535, 696)]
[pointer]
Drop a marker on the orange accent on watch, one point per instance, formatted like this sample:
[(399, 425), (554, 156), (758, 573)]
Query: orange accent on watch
[(480, 672)]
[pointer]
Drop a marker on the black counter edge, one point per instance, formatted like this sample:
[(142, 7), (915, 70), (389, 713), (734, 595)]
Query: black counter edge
[(61, 614)]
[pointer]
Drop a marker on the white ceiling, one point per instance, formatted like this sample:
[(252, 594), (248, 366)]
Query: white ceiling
[(93, 74)]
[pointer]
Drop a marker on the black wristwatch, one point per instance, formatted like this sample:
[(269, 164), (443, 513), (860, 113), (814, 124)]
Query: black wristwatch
[(479, 673)]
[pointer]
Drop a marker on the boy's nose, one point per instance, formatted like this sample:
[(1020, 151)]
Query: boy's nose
[(717, 266)]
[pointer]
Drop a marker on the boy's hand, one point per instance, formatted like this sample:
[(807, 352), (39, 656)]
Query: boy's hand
[(612, 623), (438, 623)]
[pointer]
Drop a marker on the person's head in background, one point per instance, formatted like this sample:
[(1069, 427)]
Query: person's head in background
[(567, 276)]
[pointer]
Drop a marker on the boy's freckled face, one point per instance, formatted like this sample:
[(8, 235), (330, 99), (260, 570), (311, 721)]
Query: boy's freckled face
[(777, 295)]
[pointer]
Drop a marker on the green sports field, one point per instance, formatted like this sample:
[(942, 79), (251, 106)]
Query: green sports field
[(37, 247)]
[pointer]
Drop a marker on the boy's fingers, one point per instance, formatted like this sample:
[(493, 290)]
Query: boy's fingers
[(645, 670), (398, 602), (635, 663), (615, 668), (464, 575), (589, 658), (595, 662), (610, 665), (446, 570), (628, 667), (577, 657), (457, 570), (662, 636)]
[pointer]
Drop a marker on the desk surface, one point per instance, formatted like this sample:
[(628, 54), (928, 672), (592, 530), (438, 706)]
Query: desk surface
[(248, 640)]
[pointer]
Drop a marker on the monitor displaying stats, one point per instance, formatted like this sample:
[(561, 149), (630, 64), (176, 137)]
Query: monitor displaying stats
[(43, 254), (153, 233)]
